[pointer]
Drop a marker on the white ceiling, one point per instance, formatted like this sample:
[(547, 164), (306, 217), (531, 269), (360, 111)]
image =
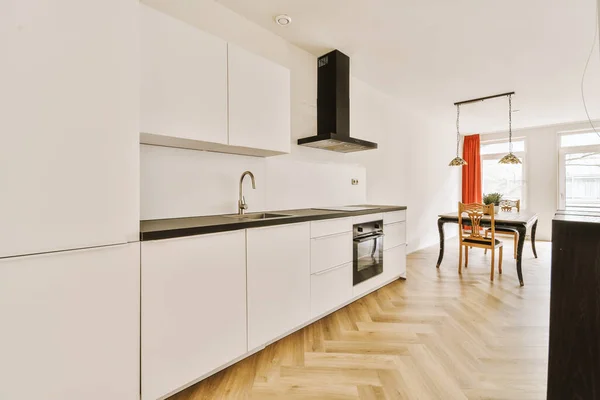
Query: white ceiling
[(432, 53)]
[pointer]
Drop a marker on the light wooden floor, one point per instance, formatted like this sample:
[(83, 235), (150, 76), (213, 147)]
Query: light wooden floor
[(435, 336)]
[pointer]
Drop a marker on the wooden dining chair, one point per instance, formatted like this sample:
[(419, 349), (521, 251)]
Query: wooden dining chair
[(508, 206), (473, 238)]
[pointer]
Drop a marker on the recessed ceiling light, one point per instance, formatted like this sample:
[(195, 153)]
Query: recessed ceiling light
[(283, 20)]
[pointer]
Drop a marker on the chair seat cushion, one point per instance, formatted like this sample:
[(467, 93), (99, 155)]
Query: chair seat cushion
[(482, 241), (502, 229)]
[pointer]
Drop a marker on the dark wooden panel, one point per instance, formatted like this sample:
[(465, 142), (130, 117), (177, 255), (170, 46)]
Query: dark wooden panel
[(574, 353)]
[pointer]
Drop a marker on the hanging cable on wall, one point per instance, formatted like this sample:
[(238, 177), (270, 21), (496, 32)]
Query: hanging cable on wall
[(587, 63)]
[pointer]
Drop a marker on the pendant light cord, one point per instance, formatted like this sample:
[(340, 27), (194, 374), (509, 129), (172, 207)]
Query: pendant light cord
[(510, 145), (585, 73), (457, 128)]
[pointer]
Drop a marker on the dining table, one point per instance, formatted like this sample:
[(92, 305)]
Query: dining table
[(517, 221)]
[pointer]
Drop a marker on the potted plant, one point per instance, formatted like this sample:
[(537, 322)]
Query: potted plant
[(493, 198)]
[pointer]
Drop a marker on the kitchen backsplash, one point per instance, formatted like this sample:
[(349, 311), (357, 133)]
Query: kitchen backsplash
[(182, 183)]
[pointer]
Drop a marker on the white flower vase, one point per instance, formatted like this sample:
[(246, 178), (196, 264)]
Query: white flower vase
[(496, 209)]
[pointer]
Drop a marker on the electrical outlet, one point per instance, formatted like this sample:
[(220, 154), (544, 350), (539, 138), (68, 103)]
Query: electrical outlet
[(355, 181)]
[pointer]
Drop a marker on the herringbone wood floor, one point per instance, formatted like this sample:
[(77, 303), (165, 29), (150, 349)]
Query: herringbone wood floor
[(435, 336)]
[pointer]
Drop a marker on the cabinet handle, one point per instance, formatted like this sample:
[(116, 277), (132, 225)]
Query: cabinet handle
[(331, 269), (367, 238), (393, 224)]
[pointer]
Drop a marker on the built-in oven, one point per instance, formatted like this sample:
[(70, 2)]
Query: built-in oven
[(368, 251)]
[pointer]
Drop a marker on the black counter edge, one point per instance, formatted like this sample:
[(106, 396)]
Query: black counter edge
[(203, 230)]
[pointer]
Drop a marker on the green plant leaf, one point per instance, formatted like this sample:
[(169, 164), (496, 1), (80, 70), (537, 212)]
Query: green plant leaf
[(492, 198)]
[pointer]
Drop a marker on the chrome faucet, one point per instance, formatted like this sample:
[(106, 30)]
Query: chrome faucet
[(242, 206)]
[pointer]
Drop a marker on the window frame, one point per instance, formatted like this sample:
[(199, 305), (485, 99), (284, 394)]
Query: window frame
[(562, 155), (497, 156)]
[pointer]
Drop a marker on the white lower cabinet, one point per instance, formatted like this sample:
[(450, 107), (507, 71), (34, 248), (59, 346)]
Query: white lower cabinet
[(330, 288), (330, 227), (193, 308), (395, 235), (210, 299), (330, 251), (394, 216), (69, 325), (394, 262), (278, 265)]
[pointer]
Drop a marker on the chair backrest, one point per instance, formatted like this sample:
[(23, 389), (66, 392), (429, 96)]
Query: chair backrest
[(475, 212), (509, 205)]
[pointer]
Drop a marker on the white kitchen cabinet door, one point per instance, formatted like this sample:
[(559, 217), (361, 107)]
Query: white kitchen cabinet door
[(394, 262), (278, 260), (330, 251), (70, 325), (361, 219), (330, 227), (395, 235), (330, 289), (259, 102), (193, 308), (183, 79), (394, 216), (69, 155)]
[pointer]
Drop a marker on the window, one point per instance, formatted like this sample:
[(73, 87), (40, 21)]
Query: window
[(503, 178), (579, 171)]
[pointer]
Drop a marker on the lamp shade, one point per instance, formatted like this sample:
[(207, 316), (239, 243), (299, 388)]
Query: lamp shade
[(510, 158), (457, 162)]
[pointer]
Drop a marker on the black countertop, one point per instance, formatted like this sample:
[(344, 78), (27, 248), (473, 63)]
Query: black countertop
[(583, 216), (155, 229)]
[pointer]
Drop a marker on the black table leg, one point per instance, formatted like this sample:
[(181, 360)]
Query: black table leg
[(441, 230), (533, 229), (522, 231)]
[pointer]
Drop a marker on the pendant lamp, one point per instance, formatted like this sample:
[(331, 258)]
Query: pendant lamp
[(457, 161), (510, 158)]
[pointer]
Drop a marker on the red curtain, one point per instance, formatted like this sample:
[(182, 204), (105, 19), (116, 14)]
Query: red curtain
[(471, 173)]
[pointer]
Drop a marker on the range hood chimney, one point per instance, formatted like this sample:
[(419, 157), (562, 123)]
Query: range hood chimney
[(333, 107)]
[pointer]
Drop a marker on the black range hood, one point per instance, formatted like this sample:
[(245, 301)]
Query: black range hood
[(333, 107)]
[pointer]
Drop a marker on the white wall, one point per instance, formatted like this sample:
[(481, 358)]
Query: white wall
[(411, 166), (432, 184), (293, 183), (375, 116), (180, 183), (541, 169)]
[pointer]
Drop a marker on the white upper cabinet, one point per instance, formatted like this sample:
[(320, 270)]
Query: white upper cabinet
[(259, 102), (69, 123), (70, 325), (278, 265), (184, 79), (199, 92), (193, 308)]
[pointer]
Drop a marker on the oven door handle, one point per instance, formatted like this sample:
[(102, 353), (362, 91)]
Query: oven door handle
[(367, 238)]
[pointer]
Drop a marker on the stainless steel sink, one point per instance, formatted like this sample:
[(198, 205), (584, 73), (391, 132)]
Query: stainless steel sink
[(258, 216)]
